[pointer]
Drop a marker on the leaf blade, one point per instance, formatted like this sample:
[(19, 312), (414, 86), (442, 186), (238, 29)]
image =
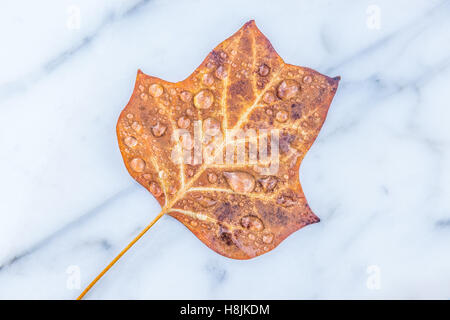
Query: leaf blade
[(242, 84)]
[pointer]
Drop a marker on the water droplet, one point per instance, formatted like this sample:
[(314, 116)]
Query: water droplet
[(267, 238), (186, 96), (136, 126), (194, 223), (223, 55), (155, 189), (239, 181), (287, 89), (130, 141), (204, 99), (282, 116), (208, 79), (221, 73), (269, 97), (263, 70), (307, 79), (141, 87), (137, 164), (159, 130), (285, 201), (155, 90), (206, 202), (144, 96), (252, 223), (268, 183), (211, 127), (130, 116), (183, 122), (212, 177)]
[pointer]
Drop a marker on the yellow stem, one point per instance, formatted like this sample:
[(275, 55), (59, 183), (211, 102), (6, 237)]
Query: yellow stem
[(120, 255)]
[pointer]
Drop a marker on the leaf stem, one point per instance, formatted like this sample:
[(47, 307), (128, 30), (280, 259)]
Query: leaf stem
[(121, 254)]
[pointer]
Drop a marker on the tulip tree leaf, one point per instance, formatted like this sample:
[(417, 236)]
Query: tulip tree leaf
[(238, 209)]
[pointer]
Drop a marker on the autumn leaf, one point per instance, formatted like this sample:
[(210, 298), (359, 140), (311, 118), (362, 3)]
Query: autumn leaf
[(168, 131)]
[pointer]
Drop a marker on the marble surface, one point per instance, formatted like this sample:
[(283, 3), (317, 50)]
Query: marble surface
[(378, 175)]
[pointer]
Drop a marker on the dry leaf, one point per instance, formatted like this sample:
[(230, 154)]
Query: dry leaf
[(236, 209)]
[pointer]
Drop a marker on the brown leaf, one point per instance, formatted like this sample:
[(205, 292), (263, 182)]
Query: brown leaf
[(236, 209)]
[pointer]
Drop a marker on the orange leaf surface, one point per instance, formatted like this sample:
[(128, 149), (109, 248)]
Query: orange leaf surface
[(239, 209)]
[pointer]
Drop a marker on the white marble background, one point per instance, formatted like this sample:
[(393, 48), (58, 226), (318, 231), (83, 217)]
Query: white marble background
[(378, 176)]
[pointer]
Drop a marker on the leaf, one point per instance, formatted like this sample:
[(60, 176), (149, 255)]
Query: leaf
[(244, 205), (236, 209)]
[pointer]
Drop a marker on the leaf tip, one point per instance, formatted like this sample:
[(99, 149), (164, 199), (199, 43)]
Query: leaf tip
[(250, 24), (334, 82)]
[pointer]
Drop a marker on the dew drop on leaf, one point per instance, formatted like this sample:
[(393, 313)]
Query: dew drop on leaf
[(267, 238), (252, 223), (269, 98), (136, 126), (205, 201), (186, 96), (130, 141), (212, 177), (155, 189), (183, 122), (307, 79), (204, 99), (263, 70), (137, 164), (268, 183), (208, 79), (282, 116), (239, 181), (287, 89), (155, 90), (158, 130)]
